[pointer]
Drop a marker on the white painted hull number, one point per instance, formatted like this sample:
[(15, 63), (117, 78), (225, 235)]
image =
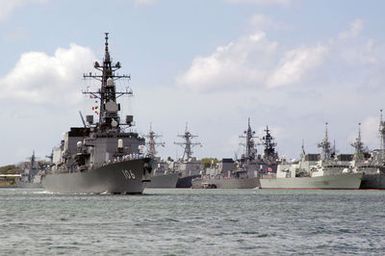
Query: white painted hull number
[(128, 174)]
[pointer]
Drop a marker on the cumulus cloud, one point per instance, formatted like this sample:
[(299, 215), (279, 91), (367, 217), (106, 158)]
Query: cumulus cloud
[(232, 65), (252, 61), (255, 61), (7, 6), (354, 30), (43, 79), (296, 64)]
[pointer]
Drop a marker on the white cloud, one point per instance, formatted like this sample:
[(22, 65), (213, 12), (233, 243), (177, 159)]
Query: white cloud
[(252, 61), (239, 63), (262, 2), (9, 6), (354, 30), (296, 64), (40, 78)]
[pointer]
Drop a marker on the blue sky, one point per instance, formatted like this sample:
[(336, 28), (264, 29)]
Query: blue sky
[(289, 64)]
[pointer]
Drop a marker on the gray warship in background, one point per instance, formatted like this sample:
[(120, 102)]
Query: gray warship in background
[(32, 173), (315, 171), (163, 176), (370, 163), (243, 173), (187, 167), (102, 157)]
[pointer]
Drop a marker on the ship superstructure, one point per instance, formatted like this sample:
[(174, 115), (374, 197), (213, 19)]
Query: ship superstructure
[(102, 156), (163, 175), (269, 153), (315, 171), (242, 173), (370, 163), (188, 166), (32, 173), (152, 144)]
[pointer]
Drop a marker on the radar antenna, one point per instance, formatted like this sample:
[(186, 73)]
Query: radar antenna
[(269, 152), (107, 94), (187, 144), (382, 136), (326, 151), (151, 144), (249, 136)]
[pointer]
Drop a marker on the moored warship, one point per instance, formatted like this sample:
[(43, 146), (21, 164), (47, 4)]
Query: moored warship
[(243, 173), (187, 167), (314, 171), (31, 175), (102, 157), (163, 176), (370, 163)]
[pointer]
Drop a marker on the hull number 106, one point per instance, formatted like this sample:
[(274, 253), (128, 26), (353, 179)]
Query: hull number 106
[(128, 174)]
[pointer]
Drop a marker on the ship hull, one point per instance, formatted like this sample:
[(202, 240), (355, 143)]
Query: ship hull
[(373, 181), (342, 181), (29, 185), (124, 177), (232, 183), (163, 181), (186, 182)]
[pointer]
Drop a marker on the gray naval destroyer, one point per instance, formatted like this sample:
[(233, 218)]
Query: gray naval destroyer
[(32, 173), (102, 157), (243, 173), (314, 171), (163, 176), (370, 163), (187, 167)]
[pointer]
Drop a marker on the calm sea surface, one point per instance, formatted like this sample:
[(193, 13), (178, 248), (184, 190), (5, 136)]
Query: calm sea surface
[(193, 222)]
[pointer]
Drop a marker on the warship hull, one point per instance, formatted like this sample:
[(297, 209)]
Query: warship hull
[(163, 181), (373, 181), (124, 177), (342, 181), (28, 185), (186, 182), (233, 183)]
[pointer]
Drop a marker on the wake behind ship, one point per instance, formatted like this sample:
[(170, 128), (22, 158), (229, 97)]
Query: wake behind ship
[(101, 157)]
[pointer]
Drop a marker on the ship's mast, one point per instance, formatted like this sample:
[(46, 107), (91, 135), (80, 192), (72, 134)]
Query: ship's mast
[(151, 144), (382, 136), (249, 137), (358, 146), (33, 168), (187, 144), (325, 145), (269, 144), (107, 94)]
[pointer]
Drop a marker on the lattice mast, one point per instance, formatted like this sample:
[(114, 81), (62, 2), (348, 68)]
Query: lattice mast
[(358, 145), (187, 144), (152, 144), (249, 136), (325, 146), (107, 94), (382, 135), (269, 152)]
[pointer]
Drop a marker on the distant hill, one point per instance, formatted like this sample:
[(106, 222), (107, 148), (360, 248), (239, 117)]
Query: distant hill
[(10, 169)]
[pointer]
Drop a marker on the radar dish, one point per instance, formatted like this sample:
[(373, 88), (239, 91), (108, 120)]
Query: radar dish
[(112, 106), (114, 123), (110, 82)]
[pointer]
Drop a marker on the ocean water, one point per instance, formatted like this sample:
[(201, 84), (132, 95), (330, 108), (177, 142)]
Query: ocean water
[(193, 222)]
